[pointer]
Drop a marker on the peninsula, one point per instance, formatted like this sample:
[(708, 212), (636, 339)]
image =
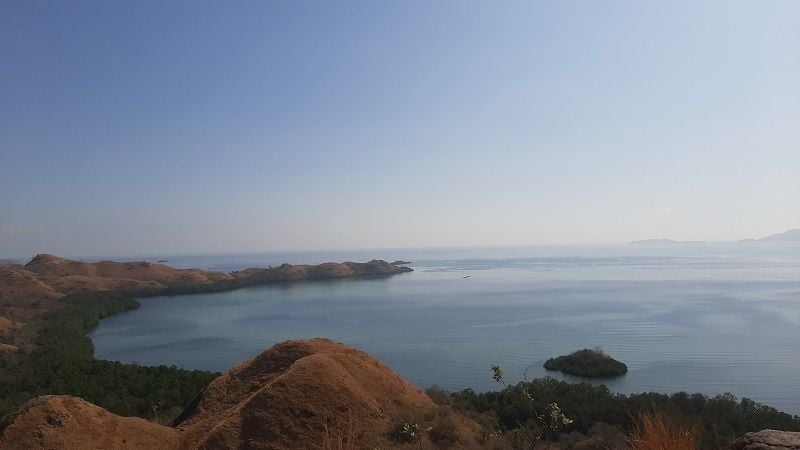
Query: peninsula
[(38, 287)]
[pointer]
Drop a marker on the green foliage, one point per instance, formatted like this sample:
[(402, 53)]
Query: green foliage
[(439, 395), (587, 363), (530, 425), (723, 417), (63, 363)]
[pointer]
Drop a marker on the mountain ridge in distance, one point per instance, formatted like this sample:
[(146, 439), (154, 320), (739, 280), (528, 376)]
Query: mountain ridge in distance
[(665, 241), (792, 235)]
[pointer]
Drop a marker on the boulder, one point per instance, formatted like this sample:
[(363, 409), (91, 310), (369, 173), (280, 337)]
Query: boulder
[(768, 440)]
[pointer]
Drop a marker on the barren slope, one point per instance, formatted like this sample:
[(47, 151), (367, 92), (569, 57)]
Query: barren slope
[(296, 395), (64, 422)]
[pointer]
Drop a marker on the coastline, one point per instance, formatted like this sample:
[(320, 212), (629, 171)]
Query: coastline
[(55, 303), (118, 387)]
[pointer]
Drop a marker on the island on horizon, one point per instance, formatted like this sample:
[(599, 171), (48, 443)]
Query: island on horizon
[(665, 241), (792, 235)]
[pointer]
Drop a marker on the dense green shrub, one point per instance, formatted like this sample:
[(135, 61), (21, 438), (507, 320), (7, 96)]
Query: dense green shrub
[(723, 417), (443, 433), (63, 363)]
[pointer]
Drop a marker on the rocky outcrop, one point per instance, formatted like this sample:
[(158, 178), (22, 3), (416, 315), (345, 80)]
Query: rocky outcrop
[(296, 395), (768, 440)]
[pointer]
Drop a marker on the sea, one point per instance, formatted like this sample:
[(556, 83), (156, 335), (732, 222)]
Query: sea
[(712, 318)]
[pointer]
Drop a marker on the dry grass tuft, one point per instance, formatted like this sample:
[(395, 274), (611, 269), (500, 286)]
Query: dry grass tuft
[(656, 431), (343, 437)]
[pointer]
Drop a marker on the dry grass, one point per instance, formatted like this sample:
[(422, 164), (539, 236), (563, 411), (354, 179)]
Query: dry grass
[(656, 431), (341, 438)]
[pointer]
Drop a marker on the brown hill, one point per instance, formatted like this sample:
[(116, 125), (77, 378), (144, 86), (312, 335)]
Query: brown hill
[(288, 397), (64, 422), (296, 395), (18, 283), (287, 272), (31, 290), (50, 277), (67, 276)]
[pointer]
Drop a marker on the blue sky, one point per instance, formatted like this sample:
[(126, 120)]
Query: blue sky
[(156, 127)]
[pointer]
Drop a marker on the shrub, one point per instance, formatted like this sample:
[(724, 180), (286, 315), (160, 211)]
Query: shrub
[(438, 395), (443, 432), (722, 418)]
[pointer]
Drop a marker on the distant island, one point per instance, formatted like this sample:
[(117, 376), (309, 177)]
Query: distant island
[(665, 241), (787, 236), (792, 235), (401, 263), (587, 363)]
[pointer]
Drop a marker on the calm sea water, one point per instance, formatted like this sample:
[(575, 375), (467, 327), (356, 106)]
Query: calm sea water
[(694, 317)]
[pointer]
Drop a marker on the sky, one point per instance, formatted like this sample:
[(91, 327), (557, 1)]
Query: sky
[(151, 127)]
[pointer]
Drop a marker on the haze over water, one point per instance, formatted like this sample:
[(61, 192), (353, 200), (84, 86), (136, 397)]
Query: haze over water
[(708, 318)]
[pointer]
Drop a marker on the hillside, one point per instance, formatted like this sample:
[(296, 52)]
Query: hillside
[(68, 277), (297, 394), (48, 277), (65, 422)]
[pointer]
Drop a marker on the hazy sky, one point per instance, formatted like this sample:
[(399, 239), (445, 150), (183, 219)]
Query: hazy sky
[(185, 127)]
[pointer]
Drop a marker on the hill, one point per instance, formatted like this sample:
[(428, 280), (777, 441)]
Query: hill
[(297, 394), (32, 290), (65, 422)]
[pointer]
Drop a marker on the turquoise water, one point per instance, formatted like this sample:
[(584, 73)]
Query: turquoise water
[(697, 318)]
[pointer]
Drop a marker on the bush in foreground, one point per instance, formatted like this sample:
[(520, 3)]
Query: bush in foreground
[(656, 431), (722, 418)]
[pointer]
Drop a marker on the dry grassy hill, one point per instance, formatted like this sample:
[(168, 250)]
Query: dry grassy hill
[(34, 289), (298, 394)]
